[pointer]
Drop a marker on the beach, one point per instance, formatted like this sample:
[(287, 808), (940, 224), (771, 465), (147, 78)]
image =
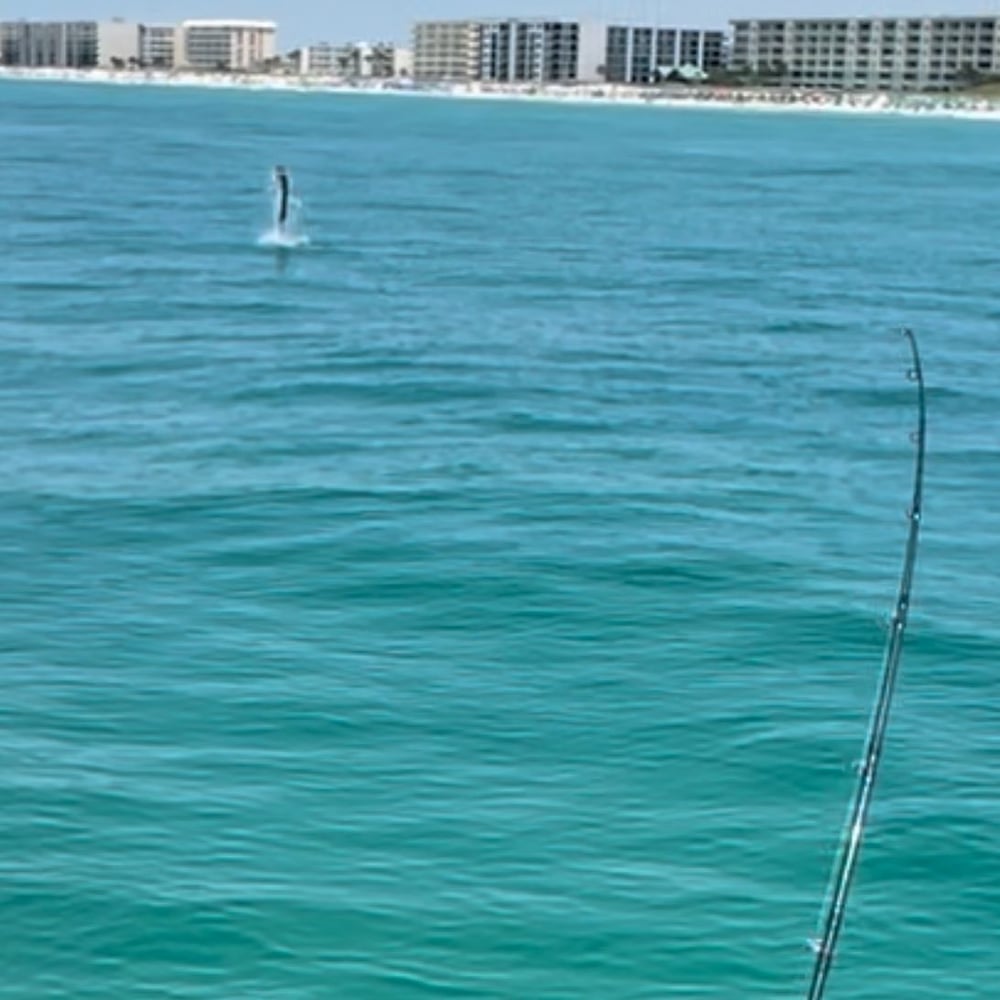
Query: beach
[(670, 96)]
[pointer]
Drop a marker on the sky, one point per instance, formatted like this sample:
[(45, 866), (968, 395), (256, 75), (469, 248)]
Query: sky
[(303, 21)]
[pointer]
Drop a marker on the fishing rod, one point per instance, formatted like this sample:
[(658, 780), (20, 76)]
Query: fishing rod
[(850, 850)]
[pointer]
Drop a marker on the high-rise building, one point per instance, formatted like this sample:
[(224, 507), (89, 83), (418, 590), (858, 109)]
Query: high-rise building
[(158, 45), (226, 45), (549, 50), (929, 53), (648, 54), (446, 50), (70, 44), (529, 51), (118, 43), (207, 45)]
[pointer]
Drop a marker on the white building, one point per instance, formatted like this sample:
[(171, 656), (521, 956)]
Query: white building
[(928, 53), (158, 45), (353, 60), (118, 43), (364, 59), (402, 62), (317, 60), (49, 43), (227, 45)]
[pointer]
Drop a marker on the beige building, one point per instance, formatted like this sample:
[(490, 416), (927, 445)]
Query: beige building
[(929, 53), (226, 45), (445, 50)]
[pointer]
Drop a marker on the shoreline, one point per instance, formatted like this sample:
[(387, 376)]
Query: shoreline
[(700, 97)]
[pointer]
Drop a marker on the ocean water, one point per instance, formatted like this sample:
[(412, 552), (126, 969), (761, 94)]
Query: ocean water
[(486, 599)]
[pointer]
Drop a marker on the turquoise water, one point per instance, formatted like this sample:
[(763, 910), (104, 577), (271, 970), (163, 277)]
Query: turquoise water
[(486, 600)]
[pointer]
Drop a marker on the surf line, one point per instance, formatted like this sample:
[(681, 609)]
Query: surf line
[(850, 850)]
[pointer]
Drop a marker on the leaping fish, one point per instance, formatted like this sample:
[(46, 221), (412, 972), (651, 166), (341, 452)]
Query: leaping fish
[(283, 186)]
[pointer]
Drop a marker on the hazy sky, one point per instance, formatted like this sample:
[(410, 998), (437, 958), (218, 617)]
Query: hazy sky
[(304, 21)]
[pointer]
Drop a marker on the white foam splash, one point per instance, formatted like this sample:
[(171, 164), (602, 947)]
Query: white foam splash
[(286, 238), (290, 235)]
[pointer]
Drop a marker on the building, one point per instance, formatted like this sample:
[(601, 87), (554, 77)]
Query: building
[(529, 51), (650, 54), (207, 45), (507, 50), (317, 59), (362, 59), (868, 53), (547, 50), (158, 45), (402, 62), (376, 60), (118, 43), (72, 44), (226, 45), (445, 50)]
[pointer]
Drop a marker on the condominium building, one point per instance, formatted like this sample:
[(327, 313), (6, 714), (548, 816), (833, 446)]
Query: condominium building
[(353, 60), (49, 43), (931, 53), (508, 50), (118, 43), (158, 45), (227, 45), (240, 45), (318, 59), (647, 54), (532, 51), (547, 50), (70, 44), (446, 50)]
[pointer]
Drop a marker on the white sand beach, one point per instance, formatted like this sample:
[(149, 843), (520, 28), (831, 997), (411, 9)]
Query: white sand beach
[(702, 96)]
